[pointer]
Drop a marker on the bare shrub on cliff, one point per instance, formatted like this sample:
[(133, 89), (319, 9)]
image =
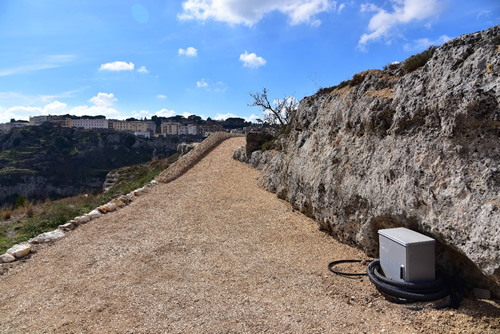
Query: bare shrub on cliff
[(6, 214), (416, 61), (279, 112)]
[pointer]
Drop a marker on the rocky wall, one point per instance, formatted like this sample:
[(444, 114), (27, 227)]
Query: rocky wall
[(419, 150)]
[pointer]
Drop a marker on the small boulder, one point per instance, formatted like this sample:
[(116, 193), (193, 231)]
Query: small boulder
[(102, 209), (118, 203), (47, 237), (94, 214), (66, 227), (139, 191), (110, 207), (82, 219), (7, 258), (124, 199), (19, 250)]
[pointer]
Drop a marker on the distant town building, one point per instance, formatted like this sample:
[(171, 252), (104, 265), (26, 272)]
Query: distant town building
[(6, 127), (170, 128), (89, 123), (210, 128), (145, 134), (134, 126), (61, 120), (194, 130), (183, 130)]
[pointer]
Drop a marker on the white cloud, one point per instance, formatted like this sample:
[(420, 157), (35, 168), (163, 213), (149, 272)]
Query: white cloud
[(59, 108), (201, 84), (186, 114), (424, 43), (14, 98), (19, 113), (383, 23), (117, 66), (340, 8), (222, 117), (190, 52), (252, 60), (252, 118), (93, 111), (250, 12), (141, 114), (165, 113), (483, 13), (104, 99), (218, 87), (161, 96), (41, 63), (143, 69), (369, 7), (54, 108)]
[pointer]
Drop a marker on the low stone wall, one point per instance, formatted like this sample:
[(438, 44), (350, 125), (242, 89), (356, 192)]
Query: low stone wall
[(189, 160)]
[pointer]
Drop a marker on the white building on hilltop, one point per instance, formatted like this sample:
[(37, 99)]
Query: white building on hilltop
[(88, 123)]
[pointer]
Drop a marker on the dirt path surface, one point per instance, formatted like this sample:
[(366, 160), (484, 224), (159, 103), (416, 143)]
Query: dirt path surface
[(210, 252)]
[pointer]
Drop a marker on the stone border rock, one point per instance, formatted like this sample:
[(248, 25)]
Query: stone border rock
[(174, 171)]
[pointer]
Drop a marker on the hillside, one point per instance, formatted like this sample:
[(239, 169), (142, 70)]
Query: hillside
[(47, 161), (414, 146)]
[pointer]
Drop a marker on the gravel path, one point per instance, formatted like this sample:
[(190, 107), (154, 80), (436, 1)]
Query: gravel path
[(210, 252)]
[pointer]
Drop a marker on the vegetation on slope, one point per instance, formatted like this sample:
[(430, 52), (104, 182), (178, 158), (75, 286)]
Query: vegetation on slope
[(56, 162), (411, 64), (29, 220)]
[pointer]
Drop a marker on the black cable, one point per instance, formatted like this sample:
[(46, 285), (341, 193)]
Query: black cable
[(427, 291), (407, 292), (331, 264)]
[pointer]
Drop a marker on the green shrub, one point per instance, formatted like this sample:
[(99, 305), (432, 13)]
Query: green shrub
[(324, 91), (391, 66), (357, 79), (268, 145), (416, 61), (343, 84), (20, 202), (328, 90)]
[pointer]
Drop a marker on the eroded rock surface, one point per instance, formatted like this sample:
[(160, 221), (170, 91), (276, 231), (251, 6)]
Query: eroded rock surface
[(419, 150)]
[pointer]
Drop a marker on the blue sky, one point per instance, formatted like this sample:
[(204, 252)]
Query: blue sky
[(142, 58)]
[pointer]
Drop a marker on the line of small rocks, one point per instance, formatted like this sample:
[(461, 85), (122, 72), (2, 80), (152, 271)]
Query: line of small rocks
[(19, 251), (178, 168)]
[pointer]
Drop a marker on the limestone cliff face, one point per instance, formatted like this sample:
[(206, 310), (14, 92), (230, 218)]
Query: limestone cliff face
[(419, 150)]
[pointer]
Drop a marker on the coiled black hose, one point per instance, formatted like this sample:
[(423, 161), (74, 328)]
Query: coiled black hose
[(427, 291)]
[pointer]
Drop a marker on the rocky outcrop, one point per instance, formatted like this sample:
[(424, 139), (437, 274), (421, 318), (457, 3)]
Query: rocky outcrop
[(418, 150), (184, 148)]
